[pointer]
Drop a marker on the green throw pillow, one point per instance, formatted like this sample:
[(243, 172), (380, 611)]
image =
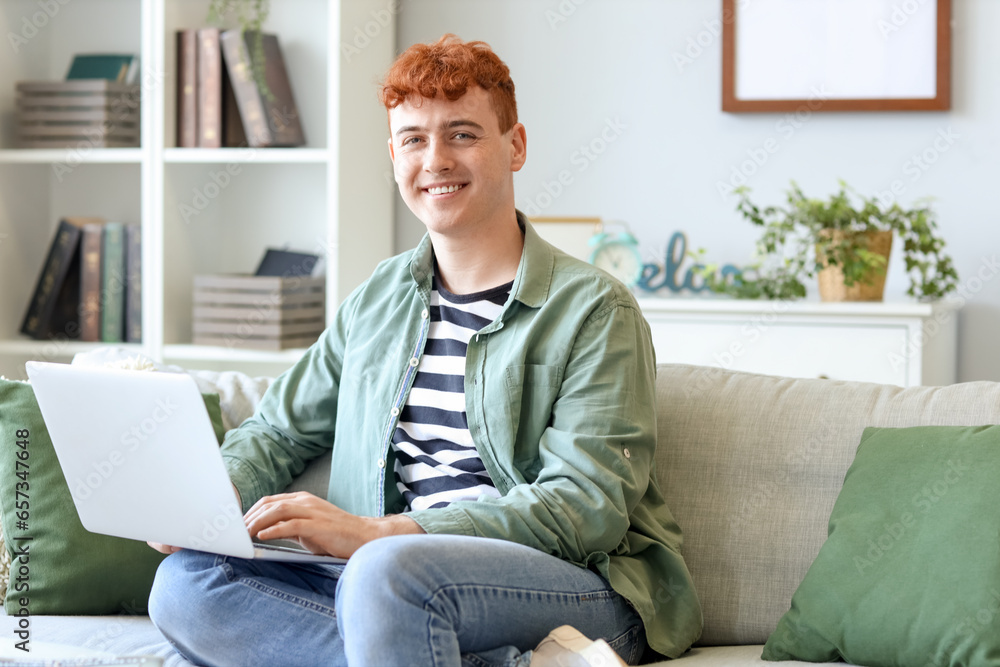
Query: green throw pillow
[(68, 570), (910, 572)]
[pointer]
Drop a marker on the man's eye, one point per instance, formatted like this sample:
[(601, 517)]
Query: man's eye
[(464, 135), (410, 140)]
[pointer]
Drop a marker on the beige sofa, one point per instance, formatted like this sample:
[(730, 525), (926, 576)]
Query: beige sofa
[(751, 466)]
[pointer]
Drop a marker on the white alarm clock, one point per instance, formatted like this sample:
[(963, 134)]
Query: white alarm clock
[(618, 254)]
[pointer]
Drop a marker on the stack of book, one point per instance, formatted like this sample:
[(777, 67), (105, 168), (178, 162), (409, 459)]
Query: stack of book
[(90, 286), (116, 67), (220, 102), (96, 106)]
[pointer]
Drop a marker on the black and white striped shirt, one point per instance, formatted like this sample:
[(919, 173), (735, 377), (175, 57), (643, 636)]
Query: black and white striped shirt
[(436, 459)]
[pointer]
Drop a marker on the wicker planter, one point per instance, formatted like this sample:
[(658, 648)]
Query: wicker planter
[(831, 279)]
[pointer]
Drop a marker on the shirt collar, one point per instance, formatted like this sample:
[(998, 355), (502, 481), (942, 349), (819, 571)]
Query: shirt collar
[(534, 271)]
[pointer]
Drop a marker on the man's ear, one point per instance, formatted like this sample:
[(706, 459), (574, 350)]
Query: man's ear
[(519, 147), (392, 150)]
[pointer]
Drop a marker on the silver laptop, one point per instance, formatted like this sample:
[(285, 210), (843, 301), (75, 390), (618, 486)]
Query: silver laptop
[(141, 460)]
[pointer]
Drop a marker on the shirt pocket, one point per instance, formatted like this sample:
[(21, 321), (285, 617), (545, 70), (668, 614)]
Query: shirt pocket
[(532, 390)]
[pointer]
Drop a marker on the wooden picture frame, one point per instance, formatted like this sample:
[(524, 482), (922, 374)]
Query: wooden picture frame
[(915, 66), (570, 234)]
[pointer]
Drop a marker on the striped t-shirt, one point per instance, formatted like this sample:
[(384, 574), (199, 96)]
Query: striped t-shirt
[(436, 459)]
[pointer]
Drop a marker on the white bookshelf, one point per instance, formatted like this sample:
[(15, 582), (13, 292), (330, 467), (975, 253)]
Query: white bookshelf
[(329, 196)]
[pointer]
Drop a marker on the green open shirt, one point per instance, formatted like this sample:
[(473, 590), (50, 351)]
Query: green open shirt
[(560, 400)]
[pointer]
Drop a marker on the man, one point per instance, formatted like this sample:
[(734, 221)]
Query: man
[(490, 406)]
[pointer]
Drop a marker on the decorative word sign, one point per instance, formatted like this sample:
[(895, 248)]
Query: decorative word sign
[(651, 281)]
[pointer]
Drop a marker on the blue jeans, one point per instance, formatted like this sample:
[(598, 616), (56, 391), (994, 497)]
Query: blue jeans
[(408, 600)]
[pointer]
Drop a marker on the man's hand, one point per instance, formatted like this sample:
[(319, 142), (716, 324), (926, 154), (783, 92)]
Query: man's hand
[(320, 526), (163, 548)]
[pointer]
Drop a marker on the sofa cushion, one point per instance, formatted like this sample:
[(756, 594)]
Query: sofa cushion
[(908, 574), (68, 570), (751, 465)]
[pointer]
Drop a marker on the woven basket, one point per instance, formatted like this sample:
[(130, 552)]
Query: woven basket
[(831, 279)]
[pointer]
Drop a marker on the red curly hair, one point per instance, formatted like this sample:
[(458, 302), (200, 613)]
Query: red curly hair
[(450, 66)]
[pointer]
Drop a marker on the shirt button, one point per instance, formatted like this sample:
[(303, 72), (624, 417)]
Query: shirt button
[(627, 453), (394, 412), (414, 361), (381, 463), (423, 314)]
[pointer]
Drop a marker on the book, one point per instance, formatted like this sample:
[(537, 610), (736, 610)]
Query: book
[(286, 263), (233, 135), (113, 283), (209, 89), (187, 88), (270, 117), (133, 284), (117, 67), (54, 305), (90, 281)]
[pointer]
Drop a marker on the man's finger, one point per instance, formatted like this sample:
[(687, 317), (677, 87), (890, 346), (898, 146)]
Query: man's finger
[(163, 548)]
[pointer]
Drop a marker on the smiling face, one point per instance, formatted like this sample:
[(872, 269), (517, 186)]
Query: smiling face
[(454, 168)]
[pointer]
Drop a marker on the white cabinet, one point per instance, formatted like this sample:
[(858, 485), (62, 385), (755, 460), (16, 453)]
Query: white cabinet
[(906, 344), (330, 196)]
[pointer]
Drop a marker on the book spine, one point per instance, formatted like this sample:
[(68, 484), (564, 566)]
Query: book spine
[(65, 244), (281, 111), (133, 284), (209, 89), (248, 96), (187, 88), (113, 284), (90, 282), (233, 135)]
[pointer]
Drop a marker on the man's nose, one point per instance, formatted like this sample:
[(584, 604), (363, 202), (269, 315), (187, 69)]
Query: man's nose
[(438, 157)]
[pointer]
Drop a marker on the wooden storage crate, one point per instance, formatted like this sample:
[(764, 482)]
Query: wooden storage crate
[(258, 312), (80, 113)]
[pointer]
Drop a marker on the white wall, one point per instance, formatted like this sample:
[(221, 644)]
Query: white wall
[(612, 66)]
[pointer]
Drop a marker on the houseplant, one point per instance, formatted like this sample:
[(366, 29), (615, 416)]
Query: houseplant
[(814, 237), (250, 15)]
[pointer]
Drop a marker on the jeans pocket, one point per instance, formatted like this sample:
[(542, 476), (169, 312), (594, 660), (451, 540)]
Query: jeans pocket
[(631, 644)]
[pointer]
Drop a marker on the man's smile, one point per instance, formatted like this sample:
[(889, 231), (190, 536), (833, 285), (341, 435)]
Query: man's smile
[(444, 189)]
